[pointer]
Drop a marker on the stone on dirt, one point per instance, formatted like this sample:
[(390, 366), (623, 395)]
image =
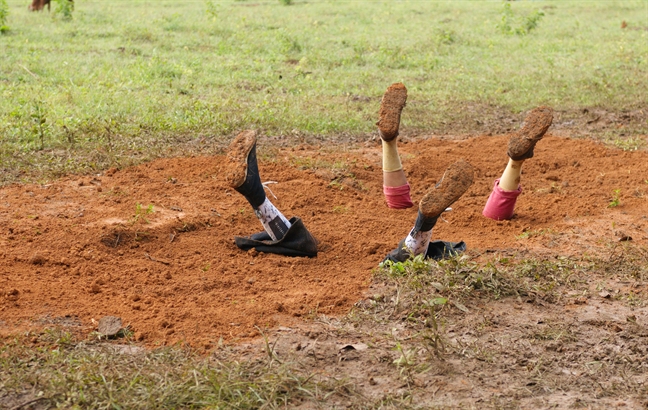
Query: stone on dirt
[(37, 259), (109, 325)]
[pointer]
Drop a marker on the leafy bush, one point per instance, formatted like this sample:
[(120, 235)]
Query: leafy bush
[(4, 13)]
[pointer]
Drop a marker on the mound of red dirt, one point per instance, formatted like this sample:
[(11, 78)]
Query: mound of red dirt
[(154, 244)]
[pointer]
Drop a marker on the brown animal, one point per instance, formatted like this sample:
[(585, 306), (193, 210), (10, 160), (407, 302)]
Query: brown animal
[(38, 5)]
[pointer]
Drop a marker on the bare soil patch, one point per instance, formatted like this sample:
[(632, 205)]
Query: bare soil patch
[(85, 247)]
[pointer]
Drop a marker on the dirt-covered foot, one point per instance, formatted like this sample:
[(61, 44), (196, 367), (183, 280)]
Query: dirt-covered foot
[(236, 163), (454, 183), (391, 106), (242, 170), (533, 129)]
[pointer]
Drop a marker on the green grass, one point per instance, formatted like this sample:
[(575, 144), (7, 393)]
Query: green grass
[(122, 82), (71, 373)]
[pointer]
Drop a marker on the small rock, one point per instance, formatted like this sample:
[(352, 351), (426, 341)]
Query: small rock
[(109, 325), (12, 294), (37, 259), (129, 349)]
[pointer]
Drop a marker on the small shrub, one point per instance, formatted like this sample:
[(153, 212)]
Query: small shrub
[(4, 13), (141, 213), (40, 128), (286, 2), (64, 8), (616, 199), (511, 24)]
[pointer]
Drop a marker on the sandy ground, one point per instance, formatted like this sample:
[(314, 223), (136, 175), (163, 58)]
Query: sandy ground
[(81, 247)]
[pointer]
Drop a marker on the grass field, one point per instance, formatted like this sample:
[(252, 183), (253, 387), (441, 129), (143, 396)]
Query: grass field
[(125, 81)]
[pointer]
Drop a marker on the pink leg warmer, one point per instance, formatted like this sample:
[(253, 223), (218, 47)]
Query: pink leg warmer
[(501, 203), (398, 197)]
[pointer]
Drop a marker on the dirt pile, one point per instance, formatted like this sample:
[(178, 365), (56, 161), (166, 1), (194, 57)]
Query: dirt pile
[(154, 244)]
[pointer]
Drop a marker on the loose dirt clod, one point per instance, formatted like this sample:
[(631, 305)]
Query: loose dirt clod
[(37, 259), (109, 325)]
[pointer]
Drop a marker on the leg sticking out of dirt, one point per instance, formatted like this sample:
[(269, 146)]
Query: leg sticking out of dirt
[(455, 182), (282, 236), (501, 202), (395, 186)]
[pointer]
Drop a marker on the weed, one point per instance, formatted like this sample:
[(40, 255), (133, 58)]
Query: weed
[(519, 25), (340, 209), (405, 359), (212, 10), (336, 184), (534, 233), (446, 37), (286, 2), (627, 144), (616, 199), (433, 334), (39, 123), (4, 14), (64, 8), (141, 213)]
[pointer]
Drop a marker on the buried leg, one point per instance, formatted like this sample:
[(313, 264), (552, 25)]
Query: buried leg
[(501, 202), (281, 236), (455, 182), (243, 175), (395, 186)]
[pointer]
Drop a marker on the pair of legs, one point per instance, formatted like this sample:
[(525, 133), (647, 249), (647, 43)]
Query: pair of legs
[(501, 202)]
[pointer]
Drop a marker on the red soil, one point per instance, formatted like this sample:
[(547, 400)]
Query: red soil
[(75, 250)]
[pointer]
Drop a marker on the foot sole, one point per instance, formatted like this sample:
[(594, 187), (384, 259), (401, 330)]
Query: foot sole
[(237, 154), (535, 125), (455, 182), (391, 106)]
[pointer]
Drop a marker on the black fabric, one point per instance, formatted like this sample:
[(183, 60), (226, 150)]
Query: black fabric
[(423, 223), (436, 250), (297, 241), (252, 189)]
